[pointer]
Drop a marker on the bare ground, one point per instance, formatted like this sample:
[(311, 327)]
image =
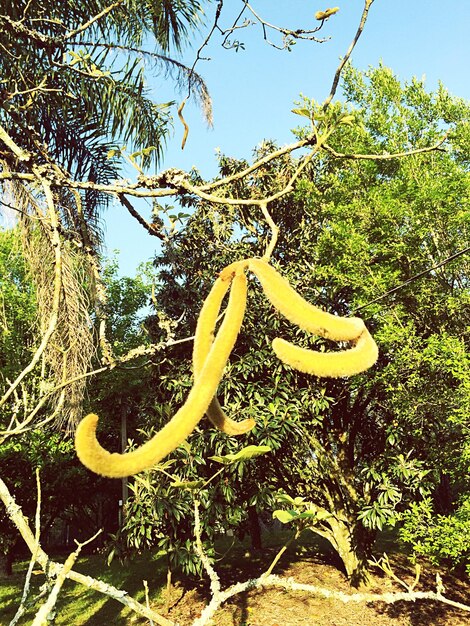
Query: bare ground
[(276, 607)]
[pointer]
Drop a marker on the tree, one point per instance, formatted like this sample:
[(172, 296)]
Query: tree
[(73, 87), (70, 496), (359, 229), (17, 306)]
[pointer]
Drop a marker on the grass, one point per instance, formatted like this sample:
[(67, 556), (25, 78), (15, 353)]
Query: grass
[(84, 607)]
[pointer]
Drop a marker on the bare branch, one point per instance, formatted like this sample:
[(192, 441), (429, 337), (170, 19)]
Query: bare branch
[(218, 10), (37, 524), (386, 156), (213, 576), (19, 29), (94, 19), (135, 353), (278, 556), (289, 584), (345, 59), (152, 229), (286, 32), (263, 161), (21, 154), (274, 232), (42, 616)]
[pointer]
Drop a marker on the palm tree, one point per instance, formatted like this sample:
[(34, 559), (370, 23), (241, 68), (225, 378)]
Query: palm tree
[(73, 85)]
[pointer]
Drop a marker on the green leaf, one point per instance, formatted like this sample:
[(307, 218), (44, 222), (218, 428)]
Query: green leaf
[(347, 119), (244, 454), (285, 517), (187, 484), (320, 515), (302, 112), (110, 558)]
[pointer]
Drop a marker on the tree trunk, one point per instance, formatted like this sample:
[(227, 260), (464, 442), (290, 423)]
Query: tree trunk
[(8, 559), (353, 543), (255, 528)]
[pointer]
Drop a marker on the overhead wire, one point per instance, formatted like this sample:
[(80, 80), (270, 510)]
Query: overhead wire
[(414, 278)]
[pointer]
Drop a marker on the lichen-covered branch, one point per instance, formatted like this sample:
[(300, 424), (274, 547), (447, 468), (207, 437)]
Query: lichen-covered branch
[(34, 552), (289, 584), (91, 21), (198, 547), (42, 616)]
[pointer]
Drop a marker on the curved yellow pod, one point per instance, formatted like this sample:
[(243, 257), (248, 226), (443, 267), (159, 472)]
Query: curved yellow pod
[(205, 328), (329, 364), (234, 268), (299, 311), (115, 465), (226, 424), (203, 339)]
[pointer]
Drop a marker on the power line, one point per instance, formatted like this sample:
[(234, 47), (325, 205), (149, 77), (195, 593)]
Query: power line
[(415, 277)]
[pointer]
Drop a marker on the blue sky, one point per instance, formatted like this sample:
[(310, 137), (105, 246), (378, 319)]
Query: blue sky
[(254, 90)]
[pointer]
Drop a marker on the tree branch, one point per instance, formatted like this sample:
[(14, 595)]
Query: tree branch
[(37, 531), (286, 32), (152, 229), (385, 156), (94, 19), (345, 59)]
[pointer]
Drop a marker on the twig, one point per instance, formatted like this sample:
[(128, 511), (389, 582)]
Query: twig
[(345, 59), (274, 232), (285, 547), (152, 229), (94, 19), (235, 26), (19, 29), (286, 32), (218, 10), (185, 124), (213, 576), (21, 154), (385, 156), (384, 564), (263, 161), (42, 616), (147, 601), (132, 354), (37, 532)]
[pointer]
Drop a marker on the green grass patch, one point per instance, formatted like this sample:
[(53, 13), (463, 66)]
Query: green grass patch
[(84, 607)]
